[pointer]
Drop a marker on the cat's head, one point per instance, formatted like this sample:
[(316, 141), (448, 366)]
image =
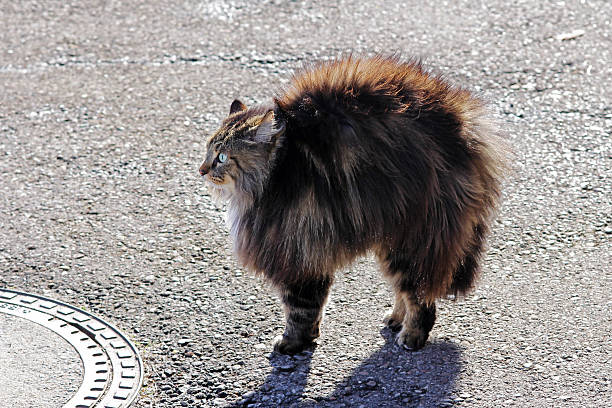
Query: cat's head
[(240, 153)]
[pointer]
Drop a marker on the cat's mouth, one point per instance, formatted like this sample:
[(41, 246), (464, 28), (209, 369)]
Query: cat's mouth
[(217, 181), (220, 189)]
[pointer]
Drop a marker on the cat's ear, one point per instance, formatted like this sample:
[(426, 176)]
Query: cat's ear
[(269, 129), (237, 106)]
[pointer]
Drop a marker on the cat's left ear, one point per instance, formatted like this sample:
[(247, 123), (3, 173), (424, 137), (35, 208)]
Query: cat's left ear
[(269, 129), (237, 106)]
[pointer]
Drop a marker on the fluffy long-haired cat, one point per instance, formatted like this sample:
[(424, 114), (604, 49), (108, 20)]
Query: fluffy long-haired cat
[(357, 155)]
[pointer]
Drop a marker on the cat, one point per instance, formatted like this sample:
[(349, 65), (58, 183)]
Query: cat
[(359, 155)]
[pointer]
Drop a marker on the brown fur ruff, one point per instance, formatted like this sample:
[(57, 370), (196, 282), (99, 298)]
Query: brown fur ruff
[(377, 155)]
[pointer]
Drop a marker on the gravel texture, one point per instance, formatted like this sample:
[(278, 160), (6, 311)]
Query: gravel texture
[(104, 110)]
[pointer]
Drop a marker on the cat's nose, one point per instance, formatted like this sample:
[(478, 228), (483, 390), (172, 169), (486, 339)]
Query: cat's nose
[(204, 169)]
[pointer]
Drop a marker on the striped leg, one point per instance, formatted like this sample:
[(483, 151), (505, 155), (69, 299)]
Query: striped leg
[(303, 304)]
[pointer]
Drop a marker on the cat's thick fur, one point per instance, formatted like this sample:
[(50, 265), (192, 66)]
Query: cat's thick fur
[(357, 155)]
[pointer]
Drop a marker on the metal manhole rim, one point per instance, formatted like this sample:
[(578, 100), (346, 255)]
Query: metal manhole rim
[(98, 343)]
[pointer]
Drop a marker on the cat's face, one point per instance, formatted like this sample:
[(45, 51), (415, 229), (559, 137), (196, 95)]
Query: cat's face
[(238, 154)]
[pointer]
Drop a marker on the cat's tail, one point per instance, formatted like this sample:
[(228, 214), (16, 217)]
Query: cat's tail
[(489, 154)]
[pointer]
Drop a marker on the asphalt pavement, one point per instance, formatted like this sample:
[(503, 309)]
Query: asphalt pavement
[(37, 367), (105, 107)]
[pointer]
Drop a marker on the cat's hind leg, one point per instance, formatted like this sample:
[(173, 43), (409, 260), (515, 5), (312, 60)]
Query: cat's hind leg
[(410, 315), (418, 321), (303, 303), (395, 316)]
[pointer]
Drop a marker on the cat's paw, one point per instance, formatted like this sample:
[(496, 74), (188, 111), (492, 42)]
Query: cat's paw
[(413, 339), (284, 345), (392, 322)]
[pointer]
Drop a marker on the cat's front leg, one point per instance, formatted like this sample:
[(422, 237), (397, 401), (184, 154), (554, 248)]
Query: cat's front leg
[(303, 303)]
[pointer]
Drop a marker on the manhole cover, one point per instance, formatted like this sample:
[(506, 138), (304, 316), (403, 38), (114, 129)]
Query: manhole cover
[(112, 369)]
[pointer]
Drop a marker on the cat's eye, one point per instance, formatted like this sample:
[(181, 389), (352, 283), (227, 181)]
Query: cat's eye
[(222, 157)]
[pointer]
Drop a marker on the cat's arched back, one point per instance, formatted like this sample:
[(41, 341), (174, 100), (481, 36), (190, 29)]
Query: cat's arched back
[(360, 154)]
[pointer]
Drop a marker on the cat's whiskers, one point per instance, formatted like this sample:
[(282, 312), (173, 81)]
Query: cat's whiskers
[(220, 190)]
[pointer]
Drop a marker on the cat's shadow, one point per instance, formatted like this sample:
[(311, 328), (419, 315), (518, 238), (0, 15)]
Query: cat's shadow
[(390, 377)]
